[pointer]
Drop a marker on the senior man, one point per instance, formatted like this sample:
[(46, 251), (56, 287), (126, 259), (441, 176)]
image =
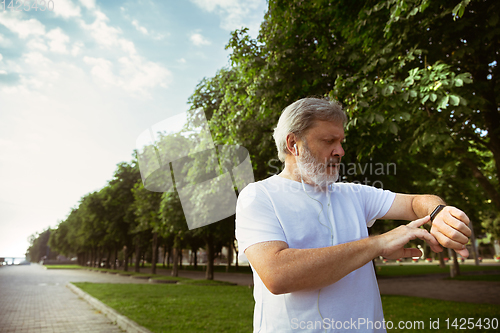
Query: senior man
[(306, 236)]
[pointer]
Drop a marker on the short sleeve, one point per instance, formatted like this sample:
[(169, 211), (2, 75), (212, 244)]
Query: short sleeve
[(377, 203), (256, 219)]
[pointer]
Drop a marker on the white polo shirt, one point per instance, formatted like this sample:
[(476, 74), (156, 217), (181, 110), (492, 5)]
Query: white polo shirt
[(278, 209)]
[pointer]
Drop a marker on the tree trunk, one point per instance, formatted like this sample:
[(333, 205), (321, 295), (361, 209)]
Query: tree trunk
[(137, 254), (473, 242), (195, 259), (175, 260), (92, 257), (115, 258), (210, 257), (229, 255), (454, 268), (108, 259), (165, 252), (442, 264), (100, 253), (237, 260), (180, 258), (125, 258), (155, 253)]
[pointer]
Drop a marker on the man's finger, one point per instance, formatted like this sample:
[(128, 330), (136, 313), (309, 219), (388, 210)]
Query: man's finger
[(430, 239), (411, 252), (453, 222), (464, 252), (447, 242), (459, 215), (453, 234), (420, 222)]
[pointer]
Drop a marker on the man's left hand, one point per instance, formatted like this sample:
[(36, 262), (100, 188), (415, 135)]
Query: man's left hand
[(451, 229)]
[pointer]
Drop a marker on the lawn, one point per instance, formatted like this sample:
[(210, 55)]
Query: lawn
[(63, 266), (192, 308), (412, 310), (179, 308), (202, 268), (417, 269), (485, 277)]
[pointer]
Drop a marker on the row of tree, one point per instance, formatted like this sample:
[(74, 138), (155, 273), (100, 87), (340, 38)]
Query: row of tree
[(418, 79)]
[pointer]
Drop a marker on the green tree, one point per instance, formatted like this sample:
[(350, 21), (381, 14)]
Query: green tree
[(39, 248)]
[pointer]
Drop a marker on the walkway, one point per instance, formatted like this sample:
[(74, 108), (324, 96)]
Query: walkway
[(438, 288), (33, 299)]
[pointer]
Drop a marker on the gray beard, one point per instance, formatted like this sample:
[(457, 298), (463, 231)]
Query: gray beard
[(316, 171)]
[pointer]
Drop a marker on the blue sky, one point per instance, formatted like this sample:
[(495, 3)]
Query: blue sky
[(80, 83)]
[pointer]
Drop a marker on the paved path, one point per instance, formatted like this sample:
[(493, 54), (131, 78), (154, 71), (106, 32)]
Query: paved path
[(33, 299), (439, 288)]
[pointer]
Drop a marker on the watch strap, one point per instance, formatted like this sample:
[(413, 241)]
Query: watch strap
[(436, 211)]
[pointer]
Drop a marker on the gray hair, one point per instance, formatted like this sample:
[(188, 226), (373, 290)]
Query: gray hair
[(299, 116)]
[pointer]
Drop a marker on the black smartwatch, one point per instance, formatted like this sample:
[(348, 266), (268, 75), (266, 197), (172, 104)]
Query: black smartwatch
[(436, 211)]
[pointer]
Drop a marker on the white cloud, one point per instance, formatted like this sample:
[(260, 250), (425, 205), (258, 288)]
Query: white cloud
[(198, 40), (23, 28), (89, 4), (182, 60), (77, 47), (58, 40), (139, 27), (36, 59), (37, 44), (101, 69), (2, 72), (143, 74), (106, 35), (66, 9), (235, 14), (1, 57), (134, 74)]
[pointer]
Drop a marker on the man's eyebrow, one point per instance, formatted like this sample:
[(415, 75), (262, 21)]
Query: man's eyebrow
[(333, 136)]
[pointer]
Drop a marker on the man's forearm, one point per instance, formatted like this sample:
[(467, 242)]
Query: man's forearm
[(284, 270), (307, 269)]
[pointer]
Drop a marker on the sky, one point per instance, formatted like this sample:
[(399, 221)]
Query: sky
[(81, 82)]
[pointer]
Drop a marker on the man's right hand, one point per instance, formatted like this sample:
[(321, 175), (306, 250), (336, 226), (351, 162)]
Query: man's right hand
[(392, 243)]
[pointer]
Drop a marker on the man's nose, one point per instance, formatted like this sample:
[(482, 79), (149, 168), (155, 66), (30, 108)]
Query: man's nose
[(338, 150)]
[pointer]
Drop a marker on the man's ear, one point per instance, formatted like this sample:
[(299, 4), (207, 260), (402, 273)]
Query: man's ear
[(291, 144)]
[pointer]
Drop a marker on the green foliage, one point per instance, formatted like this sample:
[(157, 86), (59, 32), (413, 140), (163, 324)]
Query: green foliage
[(39, 248), (418, 79)]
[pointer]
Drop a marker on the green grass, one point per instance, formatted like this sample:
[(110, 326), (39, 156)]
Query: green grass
[(63, 266), (202, 268), (485, 277), (179, 308), (192, 308), (207, 283), (396, 270), (168, 277), (403, 308)]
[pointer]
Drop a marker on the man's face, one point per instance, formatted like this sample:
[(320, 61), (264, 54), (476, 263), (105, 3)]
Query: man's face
[(321, 153)]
